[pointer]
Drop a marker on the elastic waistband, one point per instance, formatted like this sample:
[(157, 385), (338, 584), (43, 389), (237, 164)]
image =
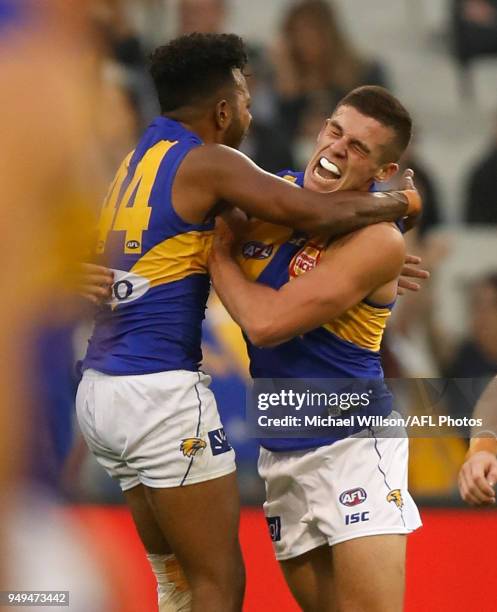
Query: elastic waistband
[(192, 376)]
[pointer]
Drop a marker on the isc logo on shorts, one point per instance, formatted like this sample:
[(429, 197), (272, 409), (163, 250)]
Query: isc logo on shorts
[(357, 517), (352, 497), (219, 441), (274, 524)]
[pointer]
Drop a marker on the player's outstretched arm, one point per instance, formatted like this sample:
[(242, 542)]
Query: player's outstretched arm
[(355, 266), (223, 174), (478, 475)]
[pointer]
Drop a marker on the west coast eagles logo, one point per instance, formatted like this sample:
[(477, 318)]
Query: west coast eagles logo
[(395, 496), (191, 446)]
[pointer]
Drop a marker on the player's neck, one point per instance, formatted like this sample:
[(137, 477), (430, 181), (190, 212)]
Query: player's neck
[(199, 126)]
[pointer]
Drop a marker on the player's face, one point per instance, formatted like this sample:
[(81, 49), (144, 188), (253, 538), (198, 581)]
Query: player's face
[(350, 153), (241, 117)]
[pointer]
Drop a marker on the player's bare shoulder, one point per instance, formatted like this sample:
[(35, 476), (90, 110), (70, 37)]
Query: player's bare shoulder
[(195, 190), (213, 159), (381, 237), (378, 250)]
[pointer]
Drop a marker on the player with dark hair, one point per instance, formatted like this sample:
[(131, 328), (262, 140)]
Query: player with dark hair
[(314, 307), (143, 405)]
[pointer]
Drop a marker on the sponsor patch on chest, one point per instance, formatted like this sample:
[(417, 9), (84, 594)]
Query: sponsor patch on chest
[(305, 260)]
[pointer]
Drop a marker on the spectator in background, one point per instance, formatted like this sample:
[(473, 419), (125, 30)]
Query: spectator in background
[(207, 16), (481, 193), (427, 187), (476, 355), (314, 60), (126, 61), (267, 143), (474, 30)]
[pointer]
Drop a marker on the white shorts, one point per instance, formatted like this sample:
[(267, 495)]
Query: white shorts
[(161, 430), (354, 488)]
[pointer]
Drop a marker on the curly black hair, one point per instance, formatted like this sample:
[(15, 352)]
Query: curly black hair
[(194, 67)]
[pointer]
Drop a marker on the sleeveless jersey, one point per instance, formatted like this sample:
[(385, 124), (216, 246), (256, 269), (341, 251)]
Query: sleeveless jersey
[(14, 14), (153, 322), (347, 347)]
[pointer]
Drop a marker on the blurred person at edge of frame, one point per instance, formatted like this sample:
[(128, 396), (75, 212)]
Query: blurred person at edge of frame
[(314, 59), (49, 105), (478, 474)]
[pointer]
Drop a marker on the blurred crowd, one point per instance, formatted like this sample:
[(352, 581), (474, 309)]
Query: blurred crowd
[(296, 78)]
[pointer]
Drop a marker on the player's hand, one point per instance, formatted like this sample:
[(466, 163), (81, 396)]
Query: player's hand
[(230, 227), (95, 283), (407, 184), (477, 479), (224, 238), (408, 272)]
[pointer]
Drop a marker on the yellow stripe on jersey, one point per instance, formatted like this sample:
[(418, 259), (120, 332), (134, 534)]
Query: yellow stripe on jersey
[(273, 236), (290, 178), (363, 325), (175, 258)]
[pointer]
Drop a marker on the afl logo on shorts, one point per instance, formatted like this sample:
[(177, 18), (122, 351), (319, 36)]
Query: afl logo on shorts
[(353, 497), (191, 446), (305, 260), (257, 250)]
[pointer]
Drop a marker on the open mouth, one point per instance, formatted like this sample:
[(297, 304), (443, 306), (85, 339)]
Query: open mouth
[(326, 170)]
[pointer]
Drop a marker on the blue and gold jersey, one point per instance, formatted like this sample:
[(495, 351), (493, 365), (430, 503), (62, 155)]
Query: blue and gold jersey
[(14, 14), (347, 347), (153, 322)]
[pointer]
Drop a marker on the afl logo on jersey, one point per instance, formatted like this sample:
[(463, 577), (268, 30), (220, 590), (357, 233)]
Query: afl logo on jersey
[(305, 260), (133, 244), (257, 250), (353, 497)]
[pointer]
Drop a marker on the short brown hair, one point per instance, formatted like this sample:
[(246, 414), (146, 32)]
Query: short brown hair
[(380, 104)]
